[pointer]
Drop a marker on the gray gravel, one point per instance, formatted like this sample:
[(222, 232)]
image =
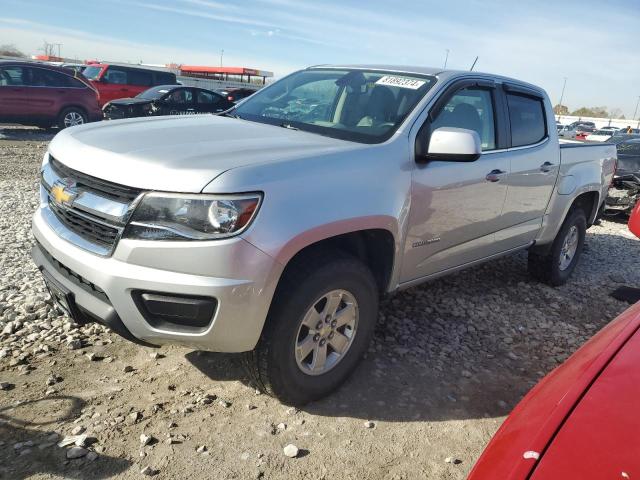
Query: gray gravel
[(448, 362)]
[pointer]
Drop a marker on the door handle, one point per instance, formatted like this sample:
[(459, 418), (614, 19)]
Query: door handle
[(494, 175), (546, 167)]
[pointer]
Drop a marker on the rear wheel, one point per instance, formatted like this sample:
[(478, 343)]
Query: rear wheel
[(556, 264), (70, 117), (319, 326)]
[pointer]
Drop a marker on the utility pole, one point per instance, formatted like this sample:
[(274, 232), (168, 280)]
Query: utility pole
[(445, 60), (59, 45), (221, 55), (563, 87), (636, 111)]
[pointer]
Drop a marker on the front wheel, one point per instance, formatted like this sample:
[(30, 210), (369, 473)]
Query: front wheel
[(555, 265), (319, 326), (70, 117)]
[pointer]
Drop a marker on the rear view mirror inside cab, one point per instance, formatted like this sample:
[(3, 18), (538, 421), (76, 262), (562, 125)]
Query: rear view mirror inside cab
[(453, 145)]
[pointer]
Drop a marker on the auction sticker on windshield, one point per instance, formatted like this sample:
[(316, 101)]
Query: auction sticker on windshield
[(402, 82)]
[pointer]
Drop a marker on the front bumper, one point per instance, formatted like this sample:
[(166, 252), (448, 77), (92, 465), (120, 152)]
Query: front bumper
[(240, 277)]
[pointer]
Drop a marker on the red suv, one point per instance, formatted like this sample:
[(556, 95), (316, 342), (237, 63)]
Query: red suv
[(116, 81), (43, 95)]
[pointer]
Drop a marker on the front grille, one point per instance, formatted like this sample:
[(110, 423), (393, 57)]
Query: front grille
[(73, 276), (113, 191), (84, 226)]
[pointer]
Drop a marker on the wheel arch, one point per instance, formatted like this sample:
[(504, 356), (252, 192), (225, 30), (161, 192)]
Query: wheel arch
[(73, 105), (375, 247)]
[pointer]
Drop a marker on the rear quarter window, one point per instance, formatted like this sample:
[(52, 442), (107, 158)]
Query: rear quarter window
[(140, 78), (164, 78), (527, 118)]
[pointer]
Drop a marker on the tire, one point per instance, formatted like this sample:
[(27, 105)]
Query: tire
[(552, 265), (274, 366), (71, 116)]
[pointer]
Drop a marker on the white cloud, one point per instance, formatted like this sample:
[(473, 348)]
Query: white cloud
[(84, 45)]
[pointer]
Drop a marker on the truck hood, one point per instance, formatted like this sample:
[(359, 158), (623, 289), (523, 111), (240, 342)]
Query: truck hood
[(182, 154)]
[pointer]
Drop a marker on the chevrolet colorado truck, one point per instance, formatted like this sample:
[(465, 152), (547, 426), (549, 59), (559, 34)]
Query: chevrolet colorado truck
[(274, 228)]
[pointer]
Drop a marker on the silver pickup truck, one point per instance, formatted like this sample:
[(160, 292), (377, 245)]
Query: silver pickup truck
[(273, 229)]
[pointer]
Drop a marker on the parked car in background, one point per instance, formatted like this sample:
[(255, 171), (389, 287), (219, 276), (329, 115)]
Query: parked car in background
[(585, 123), (115, 81), (600, 135), (45, 95), (610, 127), (582, 131), (567, 131), (580, 421), (236, 94), (244, 260), (624, 192), (167, 100), (621, 136)]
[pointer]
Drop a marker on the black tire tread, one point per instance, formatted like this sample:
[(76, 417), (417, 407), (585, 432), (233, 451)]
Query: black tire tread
[(255, 362), (540, 263)]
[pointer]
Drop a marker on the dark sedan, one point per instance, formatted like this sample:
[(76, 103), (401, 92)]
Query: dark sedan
[(167, 100), (625, 189)]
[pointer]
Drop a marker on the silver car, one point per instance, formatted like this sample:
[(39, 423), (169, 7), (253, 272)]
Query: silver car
[(274, 228)]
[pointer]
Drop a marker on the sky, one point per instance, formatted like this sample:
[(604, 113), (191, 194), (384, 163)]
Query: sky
[(594, 44)]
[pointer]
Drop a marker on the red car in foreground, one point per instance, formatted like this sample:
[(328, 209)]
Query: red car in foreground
[(580, 421)]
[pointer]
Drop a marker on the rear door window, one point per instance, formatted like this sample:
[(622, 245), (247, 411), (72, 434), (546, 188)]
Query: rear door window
[(208, 98), (527, 118), (49, 78), (140, 78), (164, 78), (472, 109), (116, 75)]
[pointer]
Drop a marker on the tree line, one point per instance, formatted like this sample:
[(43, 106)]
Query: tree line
[(596, 112)]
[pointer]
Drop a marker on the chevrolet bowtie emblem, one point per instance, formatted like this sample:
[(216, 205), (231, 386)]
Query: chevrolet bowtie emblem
[(63, 192)]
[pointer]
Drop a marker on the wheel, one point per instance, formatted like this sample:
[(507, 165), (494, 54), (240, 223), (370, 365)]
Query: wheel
[(70, 117), (319, 326), (555, 265)]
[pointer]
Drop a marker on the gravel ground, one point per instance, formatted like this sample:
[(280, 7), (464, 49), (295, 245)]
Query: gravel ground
[(449, 361)]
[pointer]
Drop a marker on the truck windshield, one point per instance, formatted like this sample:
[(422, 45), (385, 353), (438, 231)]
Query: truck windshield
[(358, 105)]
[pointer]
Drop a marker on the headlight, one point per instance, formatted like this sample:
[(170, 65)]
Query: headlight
[(167, 216)]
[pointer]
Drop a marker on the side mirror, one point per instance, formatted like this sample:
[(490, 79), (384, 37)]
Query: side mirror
[(454, 145)]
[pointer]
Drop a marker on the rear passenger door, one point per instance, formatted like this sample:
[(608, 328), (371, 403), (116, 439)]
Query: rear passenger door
[(49, 93), (138, 81), (209, 102), (534, 164)]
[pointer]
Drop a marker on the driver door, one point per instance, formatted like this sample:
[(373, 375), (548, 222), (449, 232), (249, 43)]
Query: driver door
[(456, 206), (178, 102)]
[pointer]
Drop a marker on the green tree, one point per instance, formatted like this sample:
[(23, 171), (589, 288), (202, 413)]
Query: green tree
[(561, 110)]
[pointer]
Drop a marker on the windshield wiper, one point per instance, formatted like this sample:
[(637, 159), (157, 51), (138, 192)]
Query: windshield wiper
[(289, 126)]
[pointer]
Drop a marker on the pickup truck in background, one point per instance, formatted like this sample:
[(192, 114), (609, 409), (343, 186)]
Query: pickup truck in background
[(273, 228)]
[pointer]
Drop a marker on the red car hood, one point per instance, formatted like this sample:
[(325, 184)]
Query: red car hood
[(587, 393), (600, 439)]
